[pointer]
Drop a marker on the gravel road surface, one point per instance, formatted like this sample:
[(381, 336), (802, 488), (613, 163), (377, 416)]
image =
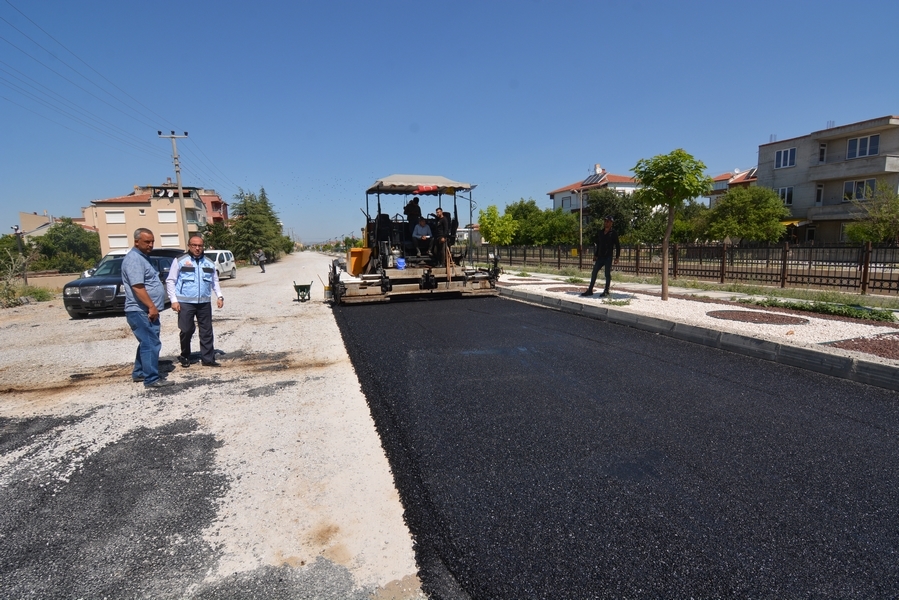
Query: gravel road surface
[(545, 455), (262, 479)]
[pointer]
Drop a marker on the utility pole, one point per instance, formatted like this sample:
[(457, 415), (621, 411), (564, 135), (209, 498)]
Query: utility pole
[(18, 234), (173, 137)]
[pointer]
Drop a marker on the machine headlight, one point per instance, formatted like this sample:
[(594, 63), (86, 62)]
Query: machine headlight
[(70, 291), (121, 291)]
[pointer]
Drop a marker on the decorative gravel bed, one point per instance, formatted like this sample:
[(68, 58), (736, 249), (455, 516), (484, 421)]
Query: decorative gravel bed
[(884, 346), (874, 338)]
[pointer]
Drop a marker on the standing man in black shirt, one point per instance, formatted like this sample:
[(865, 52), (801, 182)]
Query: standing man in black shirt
[(606, 240), (441, 232)]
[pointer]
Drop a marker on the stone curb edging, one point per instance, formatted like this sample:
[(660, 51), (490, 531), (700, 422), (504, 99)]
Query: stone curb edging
[(844, 367)]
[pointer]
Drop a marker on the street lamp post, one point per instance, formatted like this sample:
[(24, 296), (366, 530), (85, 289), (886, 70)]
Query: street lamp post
[(580, 248)]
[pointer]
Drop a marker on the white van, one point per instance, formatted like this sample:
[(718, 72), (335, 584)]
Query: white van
[(224, 262)]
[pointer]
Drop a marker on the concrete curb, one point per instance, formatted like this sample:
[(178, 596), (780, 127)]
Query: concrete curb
[(810, 359)]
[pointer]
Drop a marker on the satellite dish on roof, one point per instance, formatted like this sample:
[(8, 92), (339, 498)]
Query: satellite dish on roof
[(736, 171)]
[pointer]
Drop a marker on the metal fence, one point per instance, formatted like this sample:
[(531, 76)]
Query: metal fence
[(855, 268)]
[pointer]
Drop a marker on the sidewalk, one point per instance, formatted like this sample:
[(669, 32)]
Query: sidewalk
[(804, 341)]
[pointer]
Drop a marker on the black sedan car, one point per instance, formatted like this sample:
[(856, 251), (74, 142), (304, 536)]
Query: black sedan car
[(104, 291)]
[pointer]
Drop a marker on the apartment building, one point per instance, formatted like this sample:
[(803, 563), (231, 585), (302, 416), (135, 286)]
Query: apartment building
[(817, 175), (157, 208)]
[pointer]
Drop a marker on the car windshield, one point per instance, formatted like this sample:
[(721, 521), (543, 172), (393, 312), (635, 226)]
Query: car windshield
[(162, 263), (110, 267)]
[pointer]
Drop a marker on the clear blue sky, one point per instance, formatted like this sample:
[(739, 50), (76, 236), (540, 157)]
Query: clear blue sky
[(316, 100)]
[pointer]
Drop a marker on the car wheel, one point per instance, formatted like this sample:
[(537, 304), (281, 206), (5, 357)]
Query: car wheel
[(233, 272), (76, 314)]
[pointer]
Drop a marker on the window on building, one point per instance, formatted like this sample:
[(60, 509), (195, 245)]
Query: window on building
[(566, 202), (858, 190), (168, 240), (786, 195), (819, 195), (810, 234), (863, 146), (168, 216), (822, 153), (118, 241), (785, 158), (115, 216), (842, 232)]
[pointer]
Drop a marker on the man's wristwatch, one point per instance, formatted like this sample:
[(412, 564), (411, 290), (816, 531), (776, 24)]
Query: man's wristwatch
[(221, 297)]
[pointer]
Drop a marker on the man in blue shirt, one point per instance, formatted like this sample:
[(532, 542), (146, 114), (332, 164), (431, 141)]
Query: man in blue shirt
[(192, 282), (144, 298), (421, 236)]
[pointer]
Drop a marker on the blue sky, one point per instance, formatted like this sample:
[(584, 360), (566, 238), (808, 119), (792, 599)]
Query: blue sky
[(316, 100)]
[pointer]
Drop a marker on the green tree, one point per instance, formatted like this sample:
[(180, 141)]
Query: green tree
[(878, 216), (607, 202), (690, 222), (529, 219), (668, 180), (217, 235), (557, 227), (495, 229), (753, 213), (67, 247), (255, 225)]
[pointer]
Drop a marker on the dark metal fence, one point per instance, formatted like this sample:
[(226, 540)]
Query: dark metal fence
[(855, 268)]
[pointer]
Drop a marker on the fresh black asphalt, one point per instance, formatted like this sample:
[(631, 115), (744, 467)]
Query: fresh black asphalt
[(544, 455)]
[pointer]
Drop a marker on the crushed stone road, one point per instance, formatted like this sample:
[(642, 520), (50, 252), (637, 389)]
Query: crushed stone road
[(262, 479)]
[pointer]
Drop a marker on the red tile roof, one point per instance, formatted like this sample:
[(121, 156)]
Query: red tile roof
[(609, 178), (744, 177), (129, 199)]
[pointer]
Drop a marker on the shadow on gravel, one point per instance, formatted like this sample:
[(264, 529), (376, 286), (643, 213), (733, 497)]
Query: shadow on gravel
[(127, 524)]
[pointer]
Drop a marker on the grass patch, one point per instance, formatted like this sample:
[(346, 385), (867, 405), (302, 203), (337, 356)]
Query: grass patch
[(10, 294), (523, 274), (38, 293), (825, 308), (575, 280), (624, 302)]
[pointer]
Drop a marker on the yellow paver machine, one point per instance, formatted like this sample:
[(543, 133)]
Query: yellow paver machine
[(398, 260)]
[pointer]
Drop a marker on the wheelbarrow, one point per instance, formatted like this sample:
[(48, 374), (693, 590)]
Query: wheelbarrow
[(303, 291)]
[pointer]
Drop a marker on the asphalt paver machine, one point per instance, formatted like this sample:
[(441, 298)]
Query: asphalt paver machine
[(391, 265)]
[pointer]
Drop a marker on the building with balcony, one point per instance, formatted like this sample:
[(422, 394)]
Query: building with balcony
[(216, 208), (157, 208), (727, 181), (817, 175)]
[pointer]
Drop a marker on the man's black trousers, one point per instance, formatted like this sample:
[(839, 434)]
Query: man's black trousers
[(600, 263), (203, 315)]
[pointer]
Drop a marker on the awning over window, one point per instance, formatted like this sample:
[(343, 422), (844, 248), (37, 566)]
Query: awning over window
[(794, 222)]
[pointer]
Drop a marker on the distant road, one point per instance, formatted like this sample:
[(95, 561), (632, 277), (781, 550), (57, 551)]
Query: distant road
[(544, 455)]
